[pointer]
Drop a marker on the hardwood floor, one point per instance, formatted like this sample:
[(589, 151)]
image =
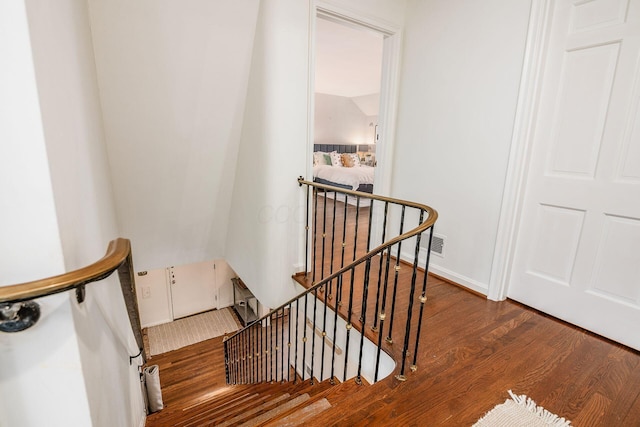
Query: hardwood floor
[(471, 352)]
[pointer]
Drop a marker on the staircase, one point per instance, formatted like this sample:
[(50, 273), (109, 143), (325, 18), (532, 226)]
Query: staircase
[(287, 367)]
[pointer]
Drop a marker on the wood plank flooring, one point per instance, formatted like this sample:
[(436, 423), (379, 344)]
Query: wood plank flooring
[(471, 352)]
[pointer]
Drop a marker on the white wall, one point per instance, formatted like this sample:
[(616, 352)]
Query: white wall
[(172, 78), (338, 120), (272, 154), (37, 362), (459, 83), (72, 368), (267, 204)]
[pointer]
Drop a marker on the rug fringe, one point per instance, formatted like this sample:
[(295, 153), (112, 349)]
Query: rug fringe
[(546, 416)]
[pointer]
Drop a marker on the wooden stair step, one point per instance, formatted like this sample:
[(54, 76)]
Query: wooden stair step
[(213, 411), (254, 411), (277, 411), (302, 415)]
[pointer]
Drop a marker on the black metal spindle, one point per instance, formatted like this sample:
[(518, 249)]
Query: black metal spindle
[(367, 271), (333, 242), (423, 300), (281, 349), (324, 233), (226, 360), (306, 237), (335, 330), (349, 325), (355, 234), (324, 334), (295, 356), (289, 343), (313, 333), (395, 280), (304, 337), (344, 245), (315, 236), (384, 232), (365, 293), (407, 332), (382, 315)]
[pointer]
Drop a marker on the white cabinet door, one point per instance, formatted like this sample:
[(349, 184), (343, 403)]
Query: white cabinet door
[(154, 298), (193, 288), (578, 247)]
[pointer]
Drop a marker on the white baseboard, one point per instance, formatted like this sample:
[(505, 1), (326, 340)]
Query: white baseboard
[(457, 278)]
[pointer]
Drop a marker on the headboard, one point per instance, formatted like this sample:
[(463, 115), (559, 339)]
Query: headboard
[(340, 148)]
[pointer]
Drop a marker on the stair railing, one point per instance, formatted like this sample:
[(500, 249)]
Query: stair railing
[(19, 310), (310, 336)]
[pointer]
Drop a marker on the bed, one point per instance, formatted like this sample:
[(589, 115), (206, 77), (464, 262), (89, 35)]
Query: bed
[(356, 176)]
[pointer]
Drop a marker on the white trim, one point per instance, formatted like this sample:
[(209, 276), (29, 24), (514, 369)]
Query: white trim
[(456, 278), (515, 180), (459, 279)]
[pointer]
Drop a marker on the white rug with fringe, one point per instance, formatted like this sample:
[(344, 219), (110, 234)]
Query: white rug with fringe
[(520, 411), (190, 330)]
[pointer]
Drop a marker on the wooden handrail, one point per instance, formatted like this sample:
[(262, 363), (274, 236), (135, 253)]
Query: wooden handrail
[(117, 253), (118, 257)]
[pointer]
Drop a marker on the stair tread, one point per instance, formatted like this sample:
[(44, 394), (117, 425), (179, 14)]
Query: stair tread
[(255, 410), (301, 415), (277, 411)]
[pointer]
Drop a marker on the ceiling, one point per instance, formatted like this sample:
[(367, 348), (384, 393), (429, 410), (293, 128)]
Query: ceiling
[(348, 59)]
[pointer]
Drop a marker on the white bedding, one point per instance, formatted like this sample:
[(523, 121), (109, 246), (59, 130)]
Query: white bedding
[(352, 177)]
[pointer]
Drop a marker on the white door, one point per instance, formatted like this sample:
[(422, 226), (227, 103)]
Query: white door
[(577, 253), (193, 288)]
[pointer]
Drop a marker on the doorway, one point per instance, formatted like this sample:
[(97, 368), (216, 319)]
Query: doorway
[(353, 88)]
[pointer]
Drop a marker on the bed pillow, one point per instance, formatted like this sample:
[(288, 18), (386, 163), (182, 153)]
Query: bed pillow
[(319, 158), (336, 159), (350, 160)]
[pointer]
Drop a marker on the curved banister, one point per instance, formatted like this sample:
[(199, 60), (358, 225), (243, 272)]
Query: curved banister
[(19, 312), (429, 222), (117, 253)]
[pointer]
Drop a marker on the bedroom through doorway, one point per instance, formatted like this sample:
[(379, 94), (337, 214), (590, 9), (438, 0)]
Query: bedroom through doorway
[(347, 102)]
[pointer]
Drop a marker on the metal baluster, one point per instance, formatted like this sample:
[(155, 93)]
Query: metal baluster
[(344, 244), (349, 325), (355, 234), (395, 280), (265, 353), (382, 314), (423, 300), (304, 337), (335, 330), (270, 357), (289, 344), (365, 293), (324, 233), (333, 242), (313, 333), (226, 359), (407, 332), (306, 237), (384, 232), (324, 334), (315, 235), (295, 358), (367, 271), (250, 351), (281, 330)]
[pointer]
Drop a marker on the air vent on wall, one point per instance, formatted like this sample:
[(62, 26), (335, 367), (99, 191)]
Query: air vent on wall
[(437, 243)]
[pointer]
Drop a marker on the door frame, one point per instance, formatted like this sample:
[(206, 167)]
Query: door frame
[(389, 85), (521, 144)]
